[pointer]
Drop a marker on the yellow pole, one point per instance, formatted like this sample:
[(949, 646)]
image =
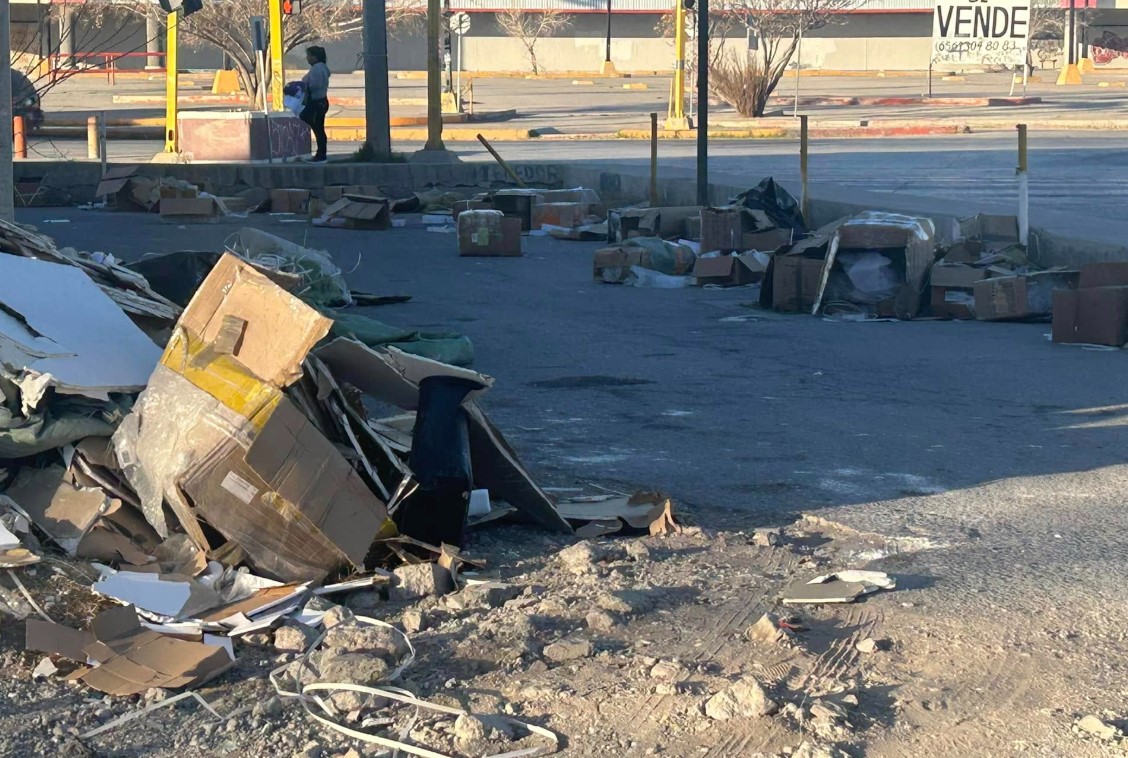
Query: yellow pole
[(172, 134), (277, 72), (676, 115)]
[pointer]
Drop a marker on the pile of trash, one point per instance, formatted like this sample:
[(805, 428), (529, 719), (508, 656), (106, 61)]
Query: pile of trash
[(227, 464), (872, 265)]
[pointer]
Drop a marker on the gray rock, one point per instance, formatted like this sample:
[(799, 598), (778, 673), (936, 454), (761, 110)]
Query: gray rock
[(421, 580), (293, 637), (72, 748), (487, 595), (337, 615), (568, 650), (1096, 727), (637, 551), (469, 730), (746, 698), (767, 537), (270, 708), (667, 670), (585, 557), (366, 638), (352, 668), (601, 620), (413, 621), (311, 749)]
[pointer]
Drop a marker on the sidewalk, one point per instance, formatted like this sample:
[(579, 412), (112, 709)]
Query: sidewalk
[(595, 108)]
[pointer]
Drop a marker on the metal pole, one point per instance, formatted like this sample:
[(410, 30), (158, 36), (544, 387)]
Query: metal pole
[(1072, 32), (798, 64), (7, 190), (377, 113), (19, 137), (675, 116), (805, 197), (653, 159), (703, 102), (172, 84), (277, 70), (152, 40), (458, 73), (93, 147), (434, 79), (607, 54), (1023, 189)]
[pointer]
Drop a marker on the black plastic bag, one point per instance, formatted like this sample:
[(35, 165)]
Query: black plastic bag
[(776, 202)]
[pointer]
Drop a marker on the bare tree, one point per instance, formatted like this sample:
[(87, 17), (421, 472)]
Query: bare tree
[(747, 81), (529, 27), (1047, 32)]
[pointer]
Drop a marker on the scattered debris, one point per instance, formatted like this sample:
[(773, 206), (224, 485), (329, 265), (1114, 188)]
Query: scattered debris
[(1095, 726), (840, 587)]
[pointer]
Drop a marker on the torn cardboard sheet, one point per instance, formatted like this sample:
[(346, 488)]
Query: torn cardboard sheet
[(840, 587), (166, 596), (88, 348), (608, 514), (131, 659)]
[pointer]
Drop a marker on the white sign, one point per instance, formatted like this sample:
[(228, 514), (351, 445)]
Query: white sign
[(460, 23), (981, 32)]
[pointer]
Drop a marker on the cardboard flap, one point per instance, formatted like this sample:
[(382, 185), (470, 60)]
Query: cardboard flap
[(234, 288), (57, 639)]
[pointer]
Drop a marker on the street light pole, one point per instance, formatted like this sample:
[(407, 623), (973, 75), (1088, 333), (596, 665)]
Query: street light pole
[(703, 102), (608, 68)]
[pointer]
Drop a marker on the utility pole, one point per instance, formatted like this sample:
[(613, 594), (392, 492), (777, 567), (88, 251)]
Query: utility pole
[(434, 79), (675, 116), (703, 102), (7, 191), (608, 68), (172, 84), (377, 116)]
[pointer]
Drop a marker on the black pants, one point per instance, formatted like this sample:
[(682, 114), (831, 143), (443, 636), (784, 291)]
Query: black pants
[(314, 115)]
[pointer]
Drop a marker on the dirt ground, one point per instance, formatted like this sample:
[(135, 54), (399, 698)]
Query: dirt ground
[(620, 646)]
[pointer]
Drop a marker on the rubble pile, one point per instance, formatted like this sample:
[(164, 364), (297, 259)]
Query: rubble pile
[(229, 465)]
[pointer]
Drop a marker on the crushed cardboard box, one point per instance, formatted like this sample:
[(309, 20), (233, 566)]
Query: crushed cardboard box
[(357, 212), (1017, 298)]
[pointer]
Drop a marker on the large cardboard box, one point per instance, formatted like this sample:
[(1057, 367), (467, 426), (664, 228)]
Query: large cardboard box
[(770, 241), (1103, 275), (289, 200), (518, 204), (488, 233), (462, 206), (795, 282), (1092, 316), (722, 229), (567, 215), (959, 276), (1014, 298), (188, 208), (728, 270)]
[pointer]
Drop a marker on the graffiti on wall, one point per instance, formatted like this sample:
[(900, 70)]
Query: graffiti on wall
[(1108, 47)]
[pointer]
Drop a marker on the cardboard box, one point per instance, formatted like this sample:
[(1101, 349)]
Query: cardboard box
[(567, 215), (674, 222), (470, 205), (993, 232), (518, 204), (770, 241), (1091, 316), (964, 251), (488, 233), (728, 270), (1103, 275), (588, 198), (1013, 298), (953, 302), (358, 212), (721, 230), (290, 500), (189, 208), (795, 282), (612, 265), (289, 201), (957, 276)]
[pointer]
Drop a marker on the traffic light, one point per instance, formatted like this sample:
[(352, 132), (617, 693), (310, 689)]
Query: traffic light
[(187, 6), (291, 7)]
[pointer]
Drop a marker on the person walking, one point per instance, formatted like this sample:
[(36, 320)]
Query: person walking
[(316, 83)]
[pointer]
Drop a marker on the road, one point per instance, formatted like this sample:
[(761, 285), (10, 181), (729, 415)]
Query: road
[(1076, 179)]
